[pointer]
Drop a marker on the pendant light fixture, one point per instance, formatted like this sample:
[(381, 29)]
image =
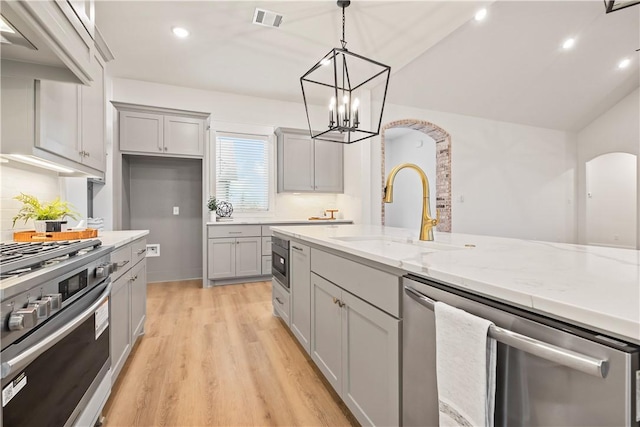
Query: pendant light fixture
[(613, 5), (338, 81)]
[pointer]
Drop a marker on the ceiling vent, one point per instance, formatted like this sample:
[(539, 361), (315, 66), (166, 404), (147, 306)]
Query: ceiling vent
[(267, 18)]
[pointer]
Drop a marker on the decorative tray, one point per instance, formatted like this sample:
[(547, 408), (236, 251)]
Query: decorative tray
[(32, 236)]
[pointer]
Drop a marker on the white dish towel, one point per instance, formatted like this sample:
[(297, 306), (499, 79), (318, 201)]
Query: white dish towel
[(466, 368)]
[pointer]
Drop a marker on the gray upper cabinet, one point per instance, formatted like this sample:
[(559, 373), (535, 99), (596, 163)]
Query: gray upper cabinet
[(301, 293), (307, 165), (161, 131), (183, 135), (141, 132), (93, 118)]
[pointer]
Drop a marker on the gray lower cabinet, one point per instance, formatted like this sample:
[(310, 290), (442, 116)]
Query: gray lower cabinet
[(356, 347), (138, 299), (234, 257), (128, 302), (120, 325), (300, 283)]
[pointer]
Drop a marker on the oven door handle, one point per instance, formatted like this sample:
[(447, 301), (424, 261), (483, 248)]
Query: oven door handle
[(30, 354)]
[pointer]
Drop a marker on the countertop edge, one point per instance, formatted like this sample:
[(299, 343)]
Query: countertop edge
[(120, 238)]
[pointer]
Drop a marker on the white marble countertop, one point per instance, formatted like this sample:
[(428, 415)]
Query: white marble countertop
[(590, 286), (120, 238), (267, 221)]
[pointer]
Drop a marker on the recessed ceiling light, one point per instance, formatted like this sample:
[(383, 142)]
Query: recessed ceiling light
[(180, 32), (568, 43), (624, 63), (481, 14)]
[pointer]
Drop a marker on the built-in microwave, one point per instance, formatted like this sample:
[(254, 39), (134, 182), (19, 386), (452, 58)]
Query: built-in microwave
[(280, 260)]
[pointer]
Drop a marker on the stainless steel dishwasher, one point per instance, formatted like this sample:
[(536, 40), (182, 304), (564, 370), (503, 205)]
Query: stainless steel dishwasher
[(548, 373)]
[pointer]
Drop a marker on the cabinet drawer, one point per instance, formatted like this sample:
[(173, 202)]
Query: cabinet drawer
[(377, 287), (266, 246), (138, 251), (266, 265), (234, 230), (280, 300), (121, 259)]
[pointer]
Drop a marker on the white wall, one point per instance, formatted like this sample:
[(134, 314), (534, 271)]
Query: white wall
[(410, 147), (251, 112), (617, 130), (611, 200), (16, 178), (507, 180)]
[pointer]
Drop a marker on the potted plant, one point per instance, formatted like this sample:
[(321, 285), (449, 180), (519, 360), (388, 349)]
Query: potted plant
[(212, 204), (46, 216)]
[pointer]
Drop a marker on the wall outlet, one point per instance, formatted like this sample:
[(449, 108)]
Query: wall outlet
[(176, 210), (153, 250)]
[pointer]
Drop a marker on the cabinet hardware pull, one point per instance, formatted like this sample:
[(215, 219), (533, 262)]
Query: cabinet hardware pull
[(235, 232), (87, 154), (297, 248), (159, 148), (122, 264), (141, 251), (279, 302), (341, 303), (335, 300), (165, 148)]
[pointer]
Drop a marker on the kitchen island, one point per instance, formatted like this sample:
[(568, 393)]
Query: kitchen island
[(594, 287), (353, 309)]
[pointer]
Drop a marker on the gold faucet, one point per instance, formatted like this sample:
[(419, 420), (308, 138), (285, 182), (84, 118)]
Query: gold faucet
[(426, 227)]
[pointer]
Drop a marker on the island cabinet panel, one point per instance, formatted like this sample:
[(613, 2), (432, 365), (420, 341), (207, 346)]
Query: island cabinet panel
[(356, 346), (371, 363), (301, 293), (326, 330), (281, 301), (377, 287)]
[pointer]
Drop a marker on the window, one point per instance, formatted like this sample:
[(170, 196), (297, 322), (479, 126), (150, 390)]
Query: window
[(242, 171)]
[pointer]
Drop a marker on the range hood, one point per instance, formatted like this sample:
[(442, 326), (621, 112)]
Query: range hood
[(43, 39)]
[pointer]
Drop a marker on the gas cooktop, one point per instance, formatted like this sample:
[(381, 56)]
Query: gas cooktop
[(19, 258)]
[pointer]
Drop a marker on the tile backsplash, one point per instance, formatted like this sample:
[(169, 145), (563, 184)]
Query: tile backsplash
[(16, 178)]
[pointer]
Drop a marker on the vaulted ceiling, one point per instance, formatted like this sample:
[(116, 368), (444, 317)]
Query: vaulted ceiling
[(508, 67)]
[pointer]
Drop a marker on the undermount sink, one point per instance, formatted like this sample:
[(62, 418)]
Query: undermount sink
[(395, 245)]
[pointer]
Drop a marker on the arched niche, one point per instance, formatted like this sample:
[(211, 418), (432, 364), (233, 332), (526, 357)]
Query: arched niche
[(443, 166)]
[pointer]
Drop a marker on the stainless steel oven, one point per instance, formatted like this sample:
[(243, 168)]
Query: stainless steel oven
[(280, 260), (55, 341)]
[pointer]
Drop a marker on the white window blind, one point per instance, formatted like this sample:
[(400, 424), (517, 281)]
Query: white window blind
[(242, 171)]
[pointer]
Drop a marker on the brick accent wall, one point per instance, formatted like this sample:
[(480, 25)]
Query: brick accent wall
[(443, 166)]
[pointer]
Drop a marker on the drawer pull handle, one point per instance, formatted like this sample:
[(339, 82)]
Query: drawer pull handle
[(335, 300), (122, 264), (297, 248), (141, 251), (235, 232), (279, 302)]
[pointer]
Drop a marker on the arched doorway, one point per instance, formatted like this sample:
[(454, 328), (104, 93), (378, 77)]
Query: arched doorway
[(443, 166)]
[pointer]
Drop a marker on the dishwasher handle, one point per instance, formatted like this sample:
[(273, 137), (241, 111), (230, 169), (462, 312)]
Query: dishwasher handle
[(562, 356)]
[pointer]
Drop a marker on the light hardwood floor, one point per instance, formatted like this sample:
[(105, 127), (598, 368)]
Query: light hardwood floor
[(217, 356)]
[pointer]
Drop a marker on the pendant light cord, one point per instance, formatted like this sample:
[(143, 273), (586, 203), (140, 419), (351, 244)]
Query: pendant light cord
[(343, 41)]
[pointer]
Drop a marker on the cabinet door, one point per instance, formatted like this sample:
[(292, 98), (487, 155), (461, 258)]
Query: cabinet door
[(370, 362), (296, 169), (119, 328), (58, 118), (183, 135), (93, 118), (328, 166), (301, 293), (138, 299), (221, 260), (142, 132), (326, 330), (248, 256)]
